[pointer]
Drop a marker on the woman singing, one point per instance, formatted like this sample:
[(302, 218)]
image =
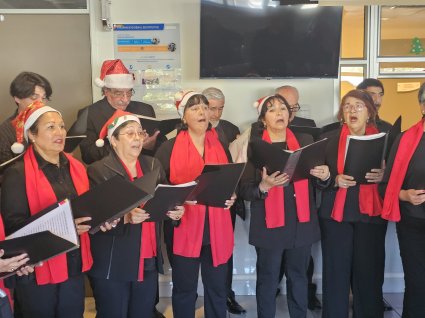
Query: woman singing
[(284, 222), (126, 259), (353, 233), (204, 237), (45, 176)]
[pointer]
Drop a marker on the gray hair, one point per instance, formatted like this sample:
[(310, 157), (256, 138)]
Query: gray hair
[(213, 93), (421, 94)]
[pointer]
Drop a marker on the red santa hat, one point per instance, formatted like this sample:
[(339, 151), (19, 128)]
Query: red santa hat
[(25, 120), (115, 75), (259, 103), (116, 120), (181, 98)]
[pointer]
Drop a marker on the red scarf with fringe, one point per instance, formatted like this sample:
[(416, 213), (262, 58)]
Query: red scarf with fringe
[(370, 202), (408, 144), (275, 201), (185, 165), (148, 233), (41, 195)]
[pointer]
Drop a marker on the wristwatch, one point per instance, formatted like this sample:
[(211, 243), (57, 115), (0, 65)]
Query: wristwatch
[(263, 194)]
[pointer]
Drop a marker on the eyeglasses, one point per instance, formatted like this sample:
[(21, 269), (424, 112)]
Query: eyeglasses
[(294, 108), (121, 94), (358, 107), (131, 134)]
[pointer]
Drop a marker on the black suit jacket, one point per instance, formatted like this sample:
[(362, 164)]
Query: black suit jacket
[(116, 252), (98, 115)]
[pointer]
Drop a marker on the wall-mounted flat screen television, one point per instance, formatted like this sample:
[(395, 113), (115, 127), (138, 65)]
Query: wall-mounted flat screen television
[(246, 38)]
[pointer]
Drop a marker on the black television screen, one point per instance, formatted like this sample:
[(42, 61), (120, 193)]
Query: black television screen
[(280, 41)]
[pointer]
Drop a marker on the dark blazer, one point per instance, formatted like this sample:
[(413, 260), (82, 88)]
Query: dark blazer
[(98, 115), (116, 252), (351, 208), (382, 125), (228, 131), (415, 171), (293, 234), (301, 121)]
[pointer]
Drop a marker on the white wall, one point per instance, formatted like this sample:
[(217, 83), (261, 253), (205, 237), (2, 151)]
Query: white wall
[(315, 94)]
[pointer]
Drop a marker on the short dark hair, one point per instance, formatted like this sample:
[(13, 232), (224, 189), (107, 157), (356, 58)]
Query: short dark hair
[(421, 94), (24, 84), (365, 98), (192, 101), (368, 82), (267, 103)]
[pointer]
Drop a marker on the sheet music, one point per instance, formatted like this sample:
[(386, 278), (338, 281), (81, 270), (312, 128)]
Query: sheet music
[(59, 221)]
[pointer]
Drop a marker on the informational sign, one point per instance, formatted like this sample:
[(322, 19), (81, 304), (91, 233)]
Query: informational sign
[(152, 53)]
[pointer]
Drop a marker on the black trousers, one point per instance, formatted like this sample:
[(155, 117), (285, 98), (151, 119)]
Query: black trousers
[(64, 300), (268, 267), (229, 278), (120, 299), (352, 252), (185, 283), (411, 237)]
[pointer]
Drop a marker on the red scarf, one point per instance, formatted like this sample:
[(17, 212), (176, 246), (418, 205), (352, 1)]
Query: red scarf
[(147, 235), (185, 165), (40, 195), (408, 144), (275, 201), (370, 202)]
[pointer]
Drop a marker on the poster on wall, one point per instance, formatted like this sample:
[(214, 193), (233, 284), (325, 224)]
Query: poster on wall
[(152, 53)]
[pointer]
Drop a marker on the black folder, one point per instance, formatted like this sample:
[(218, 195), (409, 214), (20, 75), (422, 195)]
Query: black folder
[(296, 164), (39, 247), (315, 132), (364, 153), (108, 201), (166, 198), (72, 142), (217, 183), (151, 124)]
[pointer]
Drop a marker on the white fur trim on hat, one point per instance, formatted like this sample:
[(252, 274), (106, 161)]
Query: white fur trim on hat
[(118, 81), (17, 148), (34, 116), (260, 102)]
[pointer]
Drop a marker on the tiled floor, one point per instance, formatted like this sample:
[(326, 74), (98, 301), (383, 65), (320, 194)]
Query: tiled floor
[(248, 302)]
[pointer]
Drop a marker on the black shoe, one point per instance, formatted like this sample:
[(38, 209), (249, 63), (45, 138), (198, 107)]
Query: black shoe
[(233, 307), (387, 306), (314, 303), (157, 314)]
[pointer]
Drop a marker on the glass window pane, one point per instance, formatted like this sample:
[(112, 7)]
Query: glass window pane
[(351, 76), (43, 4), (352, 36), (401, 67), (401, 98), (402, 31)]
